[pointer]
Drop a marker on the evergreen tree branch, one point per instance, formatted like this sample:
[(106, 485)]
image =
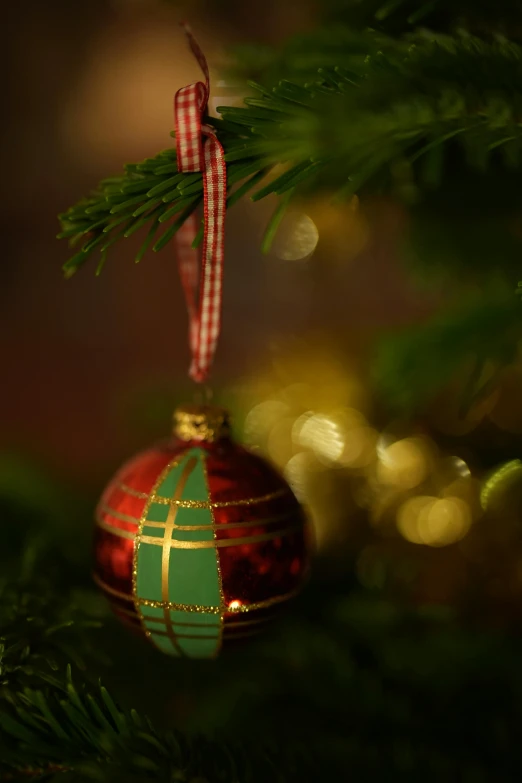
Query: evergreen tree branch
[(347, 130), (77, 728)]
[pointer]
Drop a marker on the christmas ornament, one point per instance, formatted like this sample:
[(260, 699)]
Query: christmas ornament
[(199, 541)]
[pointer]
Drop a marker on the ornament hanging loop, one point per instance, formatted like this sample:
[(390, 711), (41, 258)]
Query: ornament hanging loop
[(198, 149)]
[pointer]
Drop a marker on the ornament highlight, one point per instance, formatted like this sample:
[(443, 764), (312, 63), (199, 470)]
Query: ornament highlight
[(198, 542)]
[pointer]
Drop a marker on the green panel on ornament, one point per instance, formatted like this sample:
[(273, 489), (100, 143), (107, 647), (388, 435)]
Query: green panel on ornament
[(168, 485), (193, 573), (148, 573)]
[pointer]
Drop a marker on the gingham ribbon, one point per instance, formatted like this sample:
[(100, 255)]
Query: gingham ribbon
[(198, 149)]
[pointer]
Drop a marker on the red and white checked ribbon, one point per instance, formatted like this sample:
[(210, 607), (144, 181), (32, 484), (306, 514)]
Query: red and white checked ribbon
[(198, 149)]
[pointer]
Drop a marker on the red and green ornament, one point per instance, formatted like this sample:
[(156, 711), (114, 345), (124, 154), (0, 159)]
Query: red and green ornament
[(198, 541)]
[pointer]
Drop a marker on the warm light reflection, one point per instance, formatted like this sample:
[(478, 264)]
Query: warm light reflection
[(499, 481), (334, 460), (404, 464), (459, 466), (323, 436), (234, 605), (359, 447), (296, 238), (279, 445), (411, 515), (343, 438), (433, 521), (299, 423), (446, 522), (297, 472), (261, 420)]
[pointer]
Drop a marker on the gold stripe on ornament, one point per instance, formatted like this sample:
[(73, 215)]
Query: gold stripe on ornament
[(118, 531), (137, 602), (118, 515), (201, 503), (242, 609), (127, 612), (198, 609), (167, 548), (159, 632), (224, 542), (152, 619), (213, 526), (218, 564), (218, 543)]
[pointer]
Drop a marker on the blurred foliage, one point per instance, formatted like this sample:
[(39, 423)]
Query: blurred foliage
[(484, 333), (346, 680), (399, 16)]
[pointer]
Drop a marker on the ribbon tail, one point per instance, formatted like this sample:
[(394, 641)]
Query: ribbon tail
[(210, 297), (189, 273)]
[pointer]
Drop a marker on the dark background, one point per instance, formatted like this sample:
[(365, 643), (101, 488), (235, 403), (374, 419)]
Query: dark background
[(92, 365)]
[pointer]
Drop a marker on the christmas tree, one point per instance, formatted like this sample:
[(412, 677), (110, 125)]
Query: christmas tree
[(400, 657)]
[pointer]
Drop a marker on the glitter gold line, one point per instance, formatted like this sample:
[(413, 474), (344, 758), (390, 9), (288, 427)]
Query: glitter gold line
[(245, 608), (112, 529), (125, 611), (152, 619), (118, 515), (264, 604), (137, 602), (183, 635), (202, 503), (177, 544), (167, 548), (218, 564), (213, 526), (181, 607), (223, 542)]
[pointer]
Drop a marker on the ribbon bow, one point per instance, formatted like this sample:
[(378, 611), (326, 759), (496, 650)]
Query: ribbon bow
[(198, 149)]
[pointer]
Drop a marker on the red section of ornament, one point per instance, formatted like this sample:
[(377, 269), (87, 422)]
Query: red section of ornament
[(269, 559), (252, 506)]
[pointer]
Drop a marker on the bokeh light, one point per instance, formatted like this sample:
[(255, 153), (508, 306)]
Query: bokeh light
[(261, 419), (397, 481), (296, 237), (404, 464), (499, 481), (298, 472), (411, 515), (323, 436), (434, 521)]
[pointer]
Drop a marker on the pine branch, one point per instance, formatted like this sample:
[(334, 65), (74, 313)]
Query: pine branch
[(348, 129), (80, 729), (42, 623)]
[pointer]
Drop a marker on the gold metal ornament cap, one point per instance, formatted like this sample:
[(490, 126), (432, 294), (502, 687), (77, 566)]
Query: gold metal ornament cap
[(201, 423)]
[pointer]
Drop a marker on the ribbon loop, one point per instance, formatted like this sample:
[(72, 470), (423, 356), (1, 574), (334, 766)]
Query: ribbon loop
[(198, 149)]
